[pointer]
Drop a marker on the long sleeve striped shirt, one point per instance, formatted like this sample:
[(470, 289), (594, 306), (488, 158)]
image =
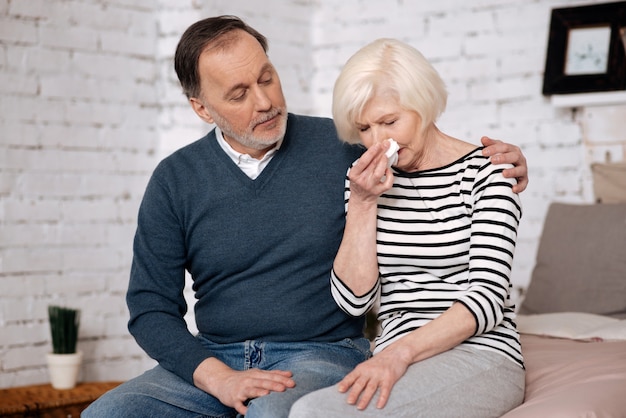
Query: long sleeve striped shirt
[(444, 235)]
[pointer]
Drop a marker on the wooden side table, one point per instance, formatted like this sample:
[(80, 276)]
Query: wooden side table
[(43, 401)]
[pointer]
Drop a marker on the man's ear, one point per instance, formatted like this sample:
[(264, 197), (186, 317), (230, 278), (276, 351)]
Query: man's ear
[(201, 110)]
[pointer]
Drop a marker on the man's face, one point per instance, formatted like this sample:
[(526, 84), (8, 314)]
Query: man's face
[(241, 93)]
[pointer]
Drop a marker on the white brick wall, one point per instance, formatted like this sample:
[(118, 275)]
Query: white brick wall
[(89, 103), (79, 112)]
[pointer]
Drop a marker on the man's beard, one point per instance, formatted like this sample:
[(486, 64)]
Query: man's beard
[(247, 138)]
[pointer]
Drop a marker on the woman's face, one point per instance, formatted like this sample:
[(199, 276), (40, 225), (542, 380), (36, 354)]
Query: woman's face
[(384, 118)]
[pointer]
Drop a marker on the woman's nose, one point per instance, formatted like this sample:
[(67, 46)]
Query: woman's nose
[(379, 136)]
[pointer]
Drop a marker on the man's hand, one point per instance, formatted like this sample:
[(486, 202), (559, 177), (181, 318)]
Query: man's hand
[(502, 153), (234, 388)]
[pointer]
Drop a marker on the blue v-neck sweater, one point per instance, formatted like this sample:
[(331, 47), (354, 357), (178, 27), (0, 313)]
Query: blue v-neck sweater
[(259, 251)]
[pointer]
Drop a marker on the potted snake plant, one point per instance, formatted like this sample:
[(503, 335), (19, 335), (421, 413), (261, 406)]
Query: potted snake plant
[(64, 361)]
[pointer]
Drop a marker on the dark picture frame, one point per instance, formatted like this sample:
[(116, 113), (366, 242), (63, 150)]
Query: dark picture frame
[(586, 51)]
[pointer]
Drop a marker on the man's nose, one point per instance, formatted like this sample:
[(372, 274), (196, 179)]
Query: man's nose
[(261, 99)]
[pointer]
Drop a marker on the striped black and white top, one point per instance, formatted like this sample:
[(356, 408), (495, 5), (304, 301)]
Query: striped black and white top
[(444, 235)]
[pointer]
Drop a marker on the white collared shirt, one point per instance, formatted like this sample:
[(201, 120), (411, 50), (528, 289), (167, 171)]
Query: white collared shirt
[(251, 166)]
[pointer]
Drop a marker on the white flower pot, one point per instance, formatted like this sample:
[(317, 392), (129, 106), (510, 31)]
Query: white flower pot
[(64, 369)]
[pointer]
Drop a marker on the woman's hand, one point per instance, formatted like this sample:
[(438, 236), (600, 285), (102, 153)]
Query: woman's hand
[(503, 153), (370, 177), (379, 373)]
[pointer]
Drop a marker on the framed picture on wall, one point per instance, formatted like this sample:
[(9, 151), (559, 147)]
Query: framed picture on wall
[(586, 49)]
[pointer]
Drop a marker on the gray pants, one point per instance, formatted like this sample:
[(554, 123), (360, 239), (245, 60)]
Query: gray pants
[(463, 382)]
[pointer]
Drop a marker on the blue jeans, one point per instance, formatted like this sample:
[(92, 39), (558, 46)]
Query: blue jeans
[(160, 393)]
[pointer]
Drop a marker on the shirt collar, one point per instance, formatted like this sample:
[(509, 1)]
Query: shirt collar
[(251, 166)]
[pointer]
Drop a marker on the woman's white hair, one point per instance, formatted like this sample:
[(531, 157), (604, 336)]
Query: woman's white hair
[(387, 64)]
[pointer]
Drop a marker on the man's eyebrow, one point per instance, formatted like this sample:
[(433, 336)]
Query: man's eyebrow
[(266, 67)]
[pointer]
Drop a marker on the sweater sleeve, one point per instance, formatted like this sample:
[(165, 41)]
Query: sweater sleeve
[(157, 280), (495, 219), (349, 302)]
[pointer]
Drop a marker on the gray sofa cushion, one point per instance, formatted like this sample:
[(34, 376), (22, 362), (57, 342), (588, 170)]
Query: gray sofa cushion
[(581, 261)]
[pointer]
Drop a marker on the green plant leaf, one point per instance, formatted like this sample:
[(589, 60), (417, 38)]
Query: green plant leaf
[(64, 323)]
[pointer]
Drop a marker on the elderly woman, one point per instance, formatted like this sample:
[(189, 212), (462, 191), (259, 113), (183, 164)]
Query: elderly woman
[(432, 240)]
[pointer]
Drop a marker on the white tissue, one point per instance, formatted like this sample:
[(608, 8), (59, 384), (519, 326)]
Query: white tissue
[(392, 152)]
